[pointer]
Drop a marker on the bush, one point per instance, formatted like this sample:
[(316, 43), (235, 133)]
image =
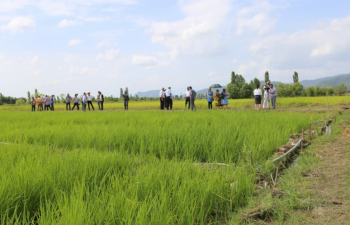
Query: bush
[(20, 102)]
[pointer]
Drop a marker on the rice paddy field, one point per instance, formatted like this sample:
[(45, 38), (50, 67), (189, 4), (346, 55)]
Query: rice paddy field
[(201, 104), (135, 167)]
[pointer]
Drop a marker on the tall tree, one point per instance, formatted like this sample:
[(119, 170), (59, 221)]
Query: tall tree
[(127, 90), (36, 93), (121, 93), (296, 77), (1, 99), (256, 82), (267, 76), (28, 95)]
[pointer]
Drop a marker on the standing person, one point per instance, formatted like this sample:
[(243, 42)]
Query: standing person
[(257, 95), (193, 96), (47, 103), (40, 103), (98, 100), (83, 101), (168, 96), (33, 104), (126, 100), (217, 99), (188, 98), (101, 100), (224, 99), (75, 101), (273, 95), (162, 98), (68, 98), (266, 103), (89, 101), (210, 98), (52, 101)]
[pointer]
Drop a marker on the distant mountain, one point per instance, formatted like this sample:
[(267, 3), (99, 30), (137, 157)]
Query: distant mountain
[(153, 93), (322, 82)]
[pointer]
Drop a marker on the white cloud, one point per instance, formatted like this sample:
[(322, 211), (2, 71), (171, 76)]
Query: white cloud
[(141, 60), (198, 33), (109, 55), (67, 23), (19, 24), (74, 42), (34, 60), (256, 18), (97, 19), (211, 73), (148, 62), (106, 44)]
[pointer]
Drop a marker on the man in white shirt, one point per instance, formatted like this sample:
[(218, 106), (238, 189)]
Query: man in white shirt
[(273, 95), (162, 98), (266, 103), (83, 101), (168, 99), (187, 98), (89, 101)]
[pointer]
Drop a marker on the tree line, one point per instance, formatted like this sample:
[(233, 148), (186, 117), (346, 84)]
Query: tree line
[(239, 88)]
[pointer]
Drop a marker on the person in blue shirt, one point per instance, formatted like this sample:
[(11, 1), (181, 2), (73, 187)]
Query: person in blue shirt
[(224, 101), (52, 100), (210, 98)]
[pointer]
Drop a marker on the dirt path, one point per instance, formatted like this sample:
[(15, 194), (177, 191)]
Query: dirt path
[(330, 185)]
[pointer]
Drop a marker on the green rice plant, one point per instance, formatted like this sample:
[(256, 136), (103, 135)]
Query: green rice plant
[(200, 103)]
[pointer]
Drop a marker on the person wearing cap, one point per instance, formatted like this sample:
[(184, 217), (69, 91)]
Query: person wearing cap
[(168, 99), (187, 98), (83, 101), (52, 102), (266, 103), (68, 98), (101, 100), (193, 96), (162, 98), (126, 100), (75, 101), (89, 101), (98, 100)]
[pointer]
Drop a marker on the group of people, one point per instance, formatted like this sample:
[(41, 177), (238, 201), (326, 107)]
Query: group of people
[(221, 99), (166, 98), (86, 99), (270, 93)]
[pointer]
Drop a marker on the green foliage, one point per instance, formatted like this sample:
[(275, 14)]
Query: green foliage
[(247, 91), (267, 77), (20, 102), (1, 99), (28, 97), (233, 90), (36, 93), (296, 77), (121, 93), (218, 85), (297, 89), (147, 177)]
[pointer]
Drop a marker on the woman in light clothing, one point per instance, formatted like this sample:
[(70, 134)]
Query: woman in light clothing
[(224, 101), (257, 94), (210, 98)]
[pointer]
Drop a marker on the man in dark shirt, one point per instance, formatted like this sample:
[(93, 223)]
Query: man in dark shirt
[(101, 100)]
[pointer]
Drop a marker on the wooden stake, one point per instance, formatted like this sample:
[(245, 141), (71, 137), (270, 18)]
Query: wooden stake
[(251, 158), (302, 140), (110, 147), (22, 138), (327, 103), (310, 138)]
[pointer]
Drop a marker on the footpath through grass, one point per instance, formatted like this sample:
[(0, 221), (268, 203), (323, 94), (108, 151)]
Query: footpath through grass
[(153, 173), (315, 190)]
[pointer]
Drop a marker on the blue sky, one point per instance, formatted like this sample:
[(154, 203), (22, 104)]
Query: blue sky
[(72, 46)]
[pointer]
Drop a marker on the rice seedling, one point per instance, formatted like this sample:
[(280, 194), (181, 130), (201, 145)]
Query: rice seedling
[(157, 171)]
